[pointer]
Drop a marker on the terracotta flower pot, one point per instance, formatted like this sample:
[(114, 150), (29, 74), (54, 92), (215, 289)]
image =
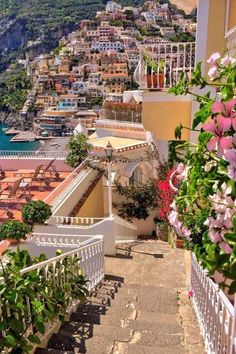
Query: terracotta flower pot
[(179, 243), (155, 80)]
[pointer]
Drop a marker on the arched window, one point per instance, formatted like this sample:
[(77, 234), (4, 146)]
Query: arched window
[(137, 176)]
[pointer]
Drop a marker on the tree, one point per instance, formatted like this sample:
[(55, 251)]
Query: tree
[(79, 148), (140, 199), (129, 15)]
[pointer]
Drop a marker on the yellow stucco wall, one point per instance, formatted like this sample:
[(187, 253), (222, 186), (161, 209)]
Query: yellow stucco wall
[(94, 205), (232, 15), (216, 27), (163, 112)]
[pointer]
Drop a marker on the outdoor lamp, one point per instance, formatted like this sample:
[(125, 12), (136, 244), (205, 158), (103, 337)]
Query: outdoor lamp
[(109, 151)]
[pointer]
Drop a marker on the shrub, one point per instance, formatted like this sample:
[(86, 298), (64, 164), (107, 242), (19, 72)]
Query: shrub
[(36, 212), (35, 299), (14, 229)]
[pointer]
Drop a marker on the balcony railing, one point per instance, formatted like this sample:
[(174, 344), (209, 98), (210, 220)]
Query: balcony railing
[(14, 154), (171, 60), (68, 220), (215, 313), (91, 262), (121, 116)]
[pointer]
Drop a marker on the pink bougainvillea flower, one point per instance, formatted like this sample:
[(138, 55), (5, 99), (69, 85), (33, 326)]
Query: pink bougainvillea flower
[(218, 127), (213, 72), (228, 60), (213, 60)]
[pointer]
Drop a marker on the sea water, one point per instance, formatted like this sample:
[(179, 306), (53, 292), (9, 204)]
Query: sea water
[(6, 144)]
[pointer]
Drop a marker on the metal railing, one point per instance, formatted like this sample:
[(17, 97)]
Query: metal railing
[(91, 262), (171, 60), (14, 154), (215, 313)]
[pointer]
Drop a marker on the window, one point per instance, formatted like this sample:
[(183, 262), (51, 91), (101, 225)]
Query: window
[(137, 176)]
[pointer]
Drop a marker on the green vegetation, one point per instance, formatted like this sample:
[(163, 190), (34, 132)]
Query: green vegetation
[(14, 230), (79, 148), (36, 211), (34, 299), (14, 85), (46, 21)]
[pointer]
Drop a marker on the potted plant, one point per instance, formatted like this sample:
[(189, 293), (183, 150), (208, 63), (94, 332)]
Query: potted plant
[(36, 212), (14, 231), (155, 72), (162, 229)]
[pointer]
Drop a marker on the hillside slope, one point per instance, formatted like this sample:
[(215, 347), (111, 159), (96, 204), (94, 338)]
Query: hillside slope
[(43, 21), (186, 5)]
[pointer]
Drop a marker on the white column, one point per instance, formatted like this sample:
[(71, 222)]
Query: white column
[(109, 190)]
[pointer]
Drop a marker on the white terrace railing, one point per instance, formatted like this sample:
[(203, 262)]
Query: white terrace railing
[(14, 154), (215, 313), (69, 220), (171, 59)]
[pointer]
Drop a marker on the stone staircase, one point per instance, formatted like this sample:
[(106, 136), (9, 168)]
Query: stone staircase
[(108, 323), (84, 197), (136, 312)]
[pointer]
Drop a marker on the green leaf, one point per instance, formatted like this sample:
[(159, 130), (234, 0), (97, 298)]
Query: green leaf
[(37, 306), (34, 339), (230, 236), (10, 340), (232, 288), (3, 325), (16, 325), (40, 327)]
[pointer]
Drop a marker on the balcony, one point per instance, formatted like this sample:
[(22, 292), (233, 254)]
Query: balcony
[(161, 65)]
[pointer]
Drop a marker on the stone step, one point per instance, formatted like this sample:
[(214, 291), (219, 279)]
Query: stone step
[(117, 334), (61, 341), (142, 349)]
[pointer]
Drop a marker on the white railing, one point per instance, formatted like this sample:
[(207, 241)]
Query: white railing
[(14, 154), (124, 222), (58, 240), (91, 262), (64, 188), (171, 60), (215, 313), (69, 220)]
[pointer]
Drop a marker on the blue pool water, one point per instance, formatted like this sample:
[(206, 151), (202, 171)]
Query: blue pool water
[(5, 143)]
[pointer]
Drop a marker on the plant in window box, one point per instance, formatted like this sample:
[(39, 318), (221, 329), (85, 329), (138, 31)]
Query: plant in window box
[(14, 231), (155, 72)]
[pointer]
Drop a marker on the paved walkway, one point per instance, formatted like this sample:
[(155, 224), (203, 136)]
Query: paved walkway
[(141, 308)]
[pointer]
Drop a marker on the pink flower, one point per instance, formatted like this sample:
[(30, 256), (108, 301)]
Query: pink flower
[(213, 72), (213, 60), (227, 60), (173, 219), (225, 247), (182, 172), (225, 108), (190, 293), (230, 156), (218, 127)]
